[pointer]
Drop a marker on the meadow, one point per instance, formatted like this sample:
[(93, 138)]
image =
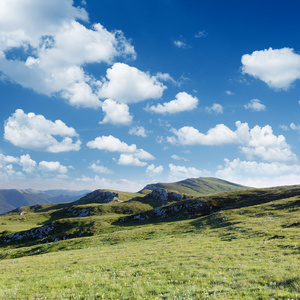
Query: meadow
[(247, 252)]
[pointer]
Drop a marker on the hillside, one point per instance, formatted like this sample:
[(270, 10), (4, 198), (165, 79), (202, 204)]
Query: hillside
[(12, 198), (197, 186), (107, 211), (230, 245)]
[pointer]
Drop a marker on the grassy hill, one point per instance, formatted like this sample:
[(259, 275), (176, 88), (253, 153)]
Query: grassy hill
[(13, 198), (197, 186), (230, 245)]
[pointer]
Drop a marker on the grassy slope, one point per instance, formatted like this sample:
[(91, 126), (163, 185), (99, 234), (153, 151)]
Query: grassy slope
[(248, 251), (198, 186)]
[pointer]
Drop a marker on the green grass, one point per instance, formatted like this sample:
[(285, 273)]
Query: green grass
[(248, 252), (198, 186)]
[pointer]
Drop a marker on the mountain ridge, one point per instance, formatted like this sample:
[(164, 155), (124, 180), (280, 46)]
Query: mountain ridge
[(11, 199), (196, 186)]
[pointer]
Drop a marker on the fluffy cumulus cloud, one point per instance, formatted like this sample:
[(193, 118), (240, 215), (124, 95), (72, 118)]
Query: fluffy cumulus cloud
[(35, 132), (131, 160), (219, 135), (255, 105), (97, 168), (138, 131), (183, 102), (25, 167), (7, 169), (259, 142), (267, 146), (182, 172), (55, 48), (130, 154), (52, 167), (127, 84), (28, 164), (259, 174), (278, 68), (116, 113), (153, 170), (215, 108)]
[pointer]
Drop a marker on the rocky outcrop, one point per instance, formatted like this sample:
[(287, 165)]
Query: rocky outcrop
[(98, 196), (182, 210), (35, 233), (164, 197)]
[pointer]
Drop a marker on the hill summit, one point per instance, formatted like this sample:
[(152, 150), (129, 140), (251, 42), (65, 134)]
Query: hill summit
[(196, 186)]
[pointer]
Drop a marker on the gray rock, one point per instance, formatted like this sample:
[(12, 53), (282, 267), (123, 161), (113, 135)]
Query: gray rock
[(98, 196)]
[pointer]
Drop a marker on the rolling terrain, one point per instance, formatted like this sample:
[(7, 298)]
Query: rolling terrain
[(163, 244)]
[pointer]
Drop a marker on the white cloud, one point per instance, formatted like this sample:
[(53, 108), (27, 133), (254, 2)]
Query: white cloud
[(294, 127), (259, 174), (56, 48), (7, 168), (219, 135), (230, 93), (129, 85), (28, 164), (81, 94), (181, 172), (25, 168), (166, 77), (265, 145), (183, 102), (130, 160), (176, 157), (181, 44), (52, 167), (34, 132), (278, 68), (97, 168), (283, 127), (151, 169), (138, 131), (258, 142), (113, 144), (215, 108), (255, 105), (201, 34), (8, 159), (116, 113), (19, 20)]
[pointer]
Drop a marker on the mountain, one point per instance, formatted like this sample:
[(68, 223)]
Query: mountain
[(14, 198), (196, 186)]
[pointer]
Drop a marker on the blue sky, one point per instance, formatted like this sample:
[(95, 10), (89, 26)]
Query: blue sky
[(118, 94)]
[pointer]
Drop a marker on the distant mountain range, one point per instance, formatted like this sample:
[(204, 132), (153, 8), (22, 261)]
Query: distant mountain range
[(13, 198)]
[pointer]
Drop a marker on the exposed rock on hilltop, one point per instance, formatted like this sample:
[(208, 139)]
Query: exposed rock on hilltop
[(98, 196), (164, 196)]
